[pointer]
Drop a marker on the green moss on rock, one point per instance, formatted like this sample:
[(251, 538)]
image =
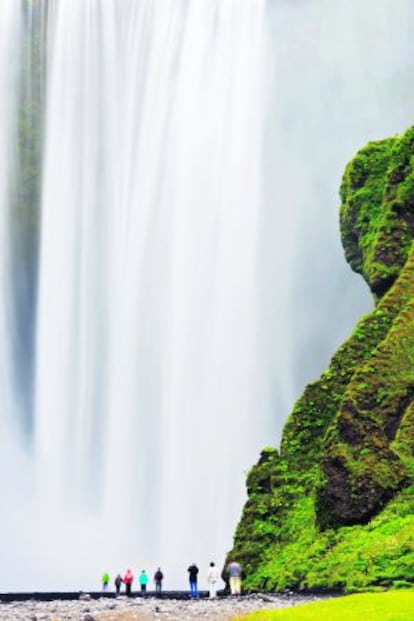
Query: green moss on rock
[(334, 509), (377, 213), (360, 468)]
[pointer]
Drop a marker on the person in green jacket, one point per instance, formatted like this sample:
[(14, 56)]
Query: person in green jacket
[(105, 581), (143, 580)]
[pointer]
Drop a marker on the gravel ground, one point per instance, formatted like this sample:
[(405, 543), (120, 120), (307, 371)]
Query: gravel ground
[(122, 609)]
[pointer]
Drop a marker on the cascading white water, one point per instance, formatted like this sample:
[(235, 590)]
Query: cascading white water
[(189, 248), (147, 301)]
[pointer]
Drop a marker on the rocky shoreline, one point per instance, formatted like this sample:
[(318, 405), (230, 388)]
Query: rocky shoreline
[(146, 609)]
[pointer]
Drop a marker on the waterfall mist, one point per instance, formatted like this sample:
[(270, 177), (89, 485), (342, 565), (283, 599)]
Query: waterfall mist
[(183, 277)]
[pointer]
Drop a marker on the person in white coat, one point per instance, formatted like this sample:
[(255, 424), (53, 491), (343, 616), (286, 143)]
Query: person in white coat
[(212, 579)]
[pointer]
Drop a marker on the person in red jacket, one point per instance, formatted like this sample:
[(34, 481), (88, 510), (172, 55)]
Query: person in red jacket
[(128, 580)]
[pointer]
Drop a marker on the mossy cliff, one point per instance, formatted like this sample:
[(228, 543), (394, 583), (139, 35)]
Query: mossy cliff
[(335, 507)]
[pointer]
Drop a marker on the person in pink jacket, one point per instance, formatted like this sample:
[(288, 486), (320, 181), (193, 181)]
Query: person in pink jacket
[(128, 580)]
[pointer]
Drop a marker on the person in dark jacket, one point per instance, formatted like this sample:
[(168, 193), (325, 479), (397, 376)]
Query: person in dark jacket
[(118, 581), (158, 578), (192, 574)]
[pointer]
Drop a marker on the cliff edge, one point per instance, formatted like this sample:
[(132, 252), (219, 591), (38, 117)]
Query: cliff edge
[(334, 509)]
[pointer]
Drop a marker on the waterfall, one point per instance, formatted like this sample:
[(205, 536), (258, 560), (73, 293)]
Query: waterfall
[(9, 32), (147, 313), (183, 277)]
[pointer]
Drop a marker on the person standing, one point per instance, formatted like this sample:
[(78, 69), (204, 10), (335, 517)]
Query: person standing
[(118, 581), (235, 573), (192, 574), (143, 580), (128, 580), (212, 578), (105, 581), (158, 578)]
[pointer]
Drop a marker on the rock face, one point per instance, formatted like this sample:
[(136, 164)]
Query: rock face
[(335, 508)]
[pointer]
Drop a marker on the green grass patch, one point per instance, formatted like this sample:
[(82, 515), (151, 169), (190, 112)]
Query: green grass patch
[(390, 606)]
